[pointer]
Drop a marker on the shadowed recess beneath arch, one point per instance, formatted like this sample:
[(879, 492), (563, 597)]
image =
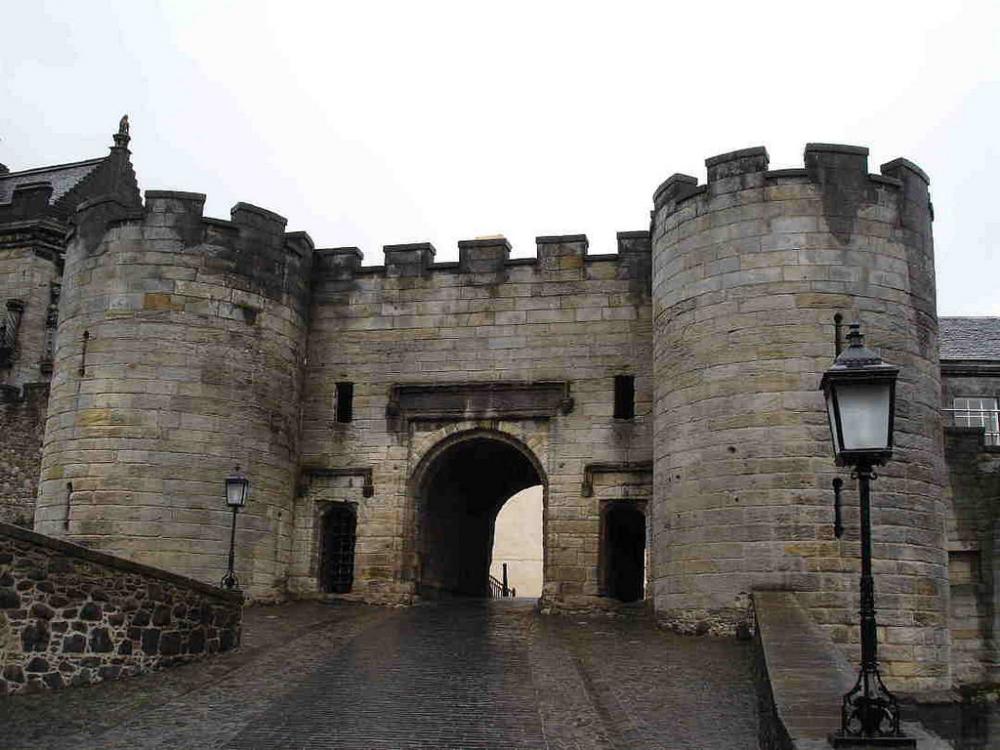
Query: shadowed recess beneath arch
[(462, 489)]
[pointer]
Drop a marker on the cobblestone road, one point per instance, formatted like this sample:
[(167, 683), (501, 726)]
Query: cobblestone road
[(451, 675)]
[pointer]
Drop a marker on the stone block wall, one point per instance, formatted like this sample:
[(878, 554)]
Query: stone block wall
[(179, 356), (29, 276), (22, 423), (564, 316), (72, 616), (28, 271), (749, 272), (974, 553)]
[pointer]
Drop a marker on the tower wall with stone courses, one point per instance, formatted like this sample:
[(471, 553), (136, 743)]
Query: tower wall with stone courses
[(749, 272), (179, 354)]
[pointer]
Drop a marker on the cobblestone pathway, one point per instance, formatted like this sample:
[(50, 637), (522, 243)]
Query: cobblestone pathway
[(457, 675)]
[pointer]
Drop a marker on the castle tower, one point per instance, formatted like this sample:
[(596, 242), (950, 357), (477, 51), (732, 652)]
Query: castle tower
[(749, 273), (179, 353)]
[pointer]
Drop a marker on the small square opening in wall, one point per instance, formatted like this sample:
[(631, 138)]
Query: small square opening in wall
[(624, 396), (963, 567), (345, 402)]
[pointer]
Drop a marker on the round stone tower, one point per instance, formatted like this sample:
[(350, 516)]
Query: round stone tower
[(179, 354), (750, 273)]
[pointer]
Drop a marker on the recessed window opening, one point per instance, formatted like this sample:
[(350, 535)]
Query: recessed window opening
[(964, 567), (345, 402), (981, 412), (624, 396)]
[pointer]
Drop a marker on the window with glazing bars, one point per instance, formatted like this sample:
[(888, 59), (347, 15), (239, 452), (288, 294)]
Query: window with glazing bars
[(980, 411)]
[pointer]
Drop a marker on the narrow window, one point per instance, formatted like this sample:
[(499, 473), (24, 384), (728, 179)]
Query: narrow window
[(345, 402), (624, 396), (69, 500)]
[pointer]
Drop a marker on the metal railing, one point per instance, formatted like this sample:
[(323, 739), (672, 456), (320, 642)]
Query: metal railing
[(987, 420), (500, 589)]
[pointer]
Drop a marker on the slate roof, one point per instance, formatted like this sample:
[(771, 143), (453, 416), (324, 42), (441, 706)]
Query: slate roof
[(62, 177), (970, 338)]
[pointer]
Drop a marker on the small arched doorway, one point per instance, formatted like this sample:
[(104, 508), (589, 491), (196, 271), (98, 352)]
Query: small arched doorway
[(338, 531), (459, 489), (624, 551)]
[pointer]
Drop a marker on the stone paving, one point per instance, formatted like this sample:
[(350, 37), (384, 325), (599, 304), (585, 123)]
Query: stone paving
[(474, 675)]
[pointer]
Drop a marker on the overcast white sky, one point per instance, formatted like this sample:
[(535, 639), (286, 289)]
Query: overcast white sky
[(370, 123)]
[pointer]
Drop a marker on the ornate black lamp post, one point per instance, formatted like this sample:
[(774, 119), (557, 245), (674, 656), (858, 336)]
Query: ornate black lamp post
[(237, 493), (860, 395)]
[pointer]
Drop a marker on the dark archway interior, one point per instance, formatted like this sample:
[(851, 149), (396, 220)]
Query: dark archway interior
[(464, 489), (625, 551)]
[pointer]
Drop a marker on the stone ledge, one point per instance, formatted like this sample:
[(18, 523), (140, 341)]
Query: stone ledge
[(837, 148), (970, 368), (111, 561), (898, 164), (805, 676), (175, 195), (561, 239), (741, 153)]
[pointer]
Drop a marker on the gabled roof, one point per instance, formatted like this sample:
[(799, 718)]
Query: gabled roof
[(970, 338), (71, 184), (62, 178)]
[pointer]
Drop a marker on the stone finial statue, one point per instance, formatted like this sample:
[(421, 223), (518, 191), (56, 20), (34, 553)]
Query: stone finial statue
[(122, 137)]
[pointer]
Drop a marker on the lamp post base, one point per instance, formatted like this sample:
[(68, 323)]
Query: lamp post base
[(841, 740)]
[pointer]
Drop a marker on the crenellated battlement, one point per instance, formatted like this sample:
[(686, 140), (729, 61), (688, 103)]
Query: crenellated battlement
[(249, 228), (487, 259), (252, 249), (834, 168), (253, 231)]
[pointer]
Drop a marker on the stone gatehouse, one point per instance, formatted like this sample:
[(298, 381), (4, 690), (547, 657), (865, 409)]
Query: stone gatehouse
[(664, 396)]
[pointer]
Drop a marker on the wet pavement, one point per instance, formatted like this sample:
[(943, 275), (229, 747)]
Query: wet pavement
[(969, 725), (478, 674)]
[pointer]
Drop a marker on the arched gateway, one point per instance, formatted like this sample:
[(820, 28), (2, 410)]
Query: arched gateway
[(457, 491)]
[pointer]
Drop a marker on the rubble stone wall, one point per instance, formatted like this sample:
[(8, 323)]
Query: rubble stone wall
[(72, 616), (22, 424)]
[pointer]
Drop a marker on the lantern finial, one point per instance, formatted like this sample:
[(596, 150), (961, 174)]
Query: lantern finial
[(856, 354)]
